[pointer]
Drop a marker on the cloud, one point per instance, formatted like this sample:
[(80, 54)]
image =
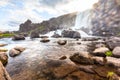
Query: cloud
[(14, 12), (54, 3)]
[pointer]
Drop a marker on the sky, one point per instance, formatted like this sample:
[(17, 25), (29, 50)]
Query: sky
[(15, 12)]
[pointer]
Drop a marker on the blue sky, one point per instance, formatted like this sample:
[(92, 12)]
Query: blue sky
[(15, 12)]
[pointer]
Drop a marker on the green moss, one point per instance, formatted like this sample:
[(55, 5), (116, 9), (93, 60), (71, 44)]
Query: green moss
[(110, 75), (108, 53), (5, 35)]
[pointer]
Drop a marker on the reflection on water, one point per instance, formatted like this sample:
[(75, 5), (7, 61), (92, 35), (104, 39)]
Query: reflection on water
[(29, 62)]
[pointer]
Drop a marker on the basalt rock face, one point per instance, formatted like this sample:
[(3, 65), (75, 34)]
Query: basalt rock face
[(106, 18), (65, 21)]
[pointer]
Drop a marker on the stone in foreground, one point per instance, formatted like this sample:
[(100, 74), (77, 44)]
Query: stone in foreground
[(62, 42), (3, 58), (44, 40), (115, 62), (14, 52), (82, 58), (18, 37), (116, 52), (3, 73)]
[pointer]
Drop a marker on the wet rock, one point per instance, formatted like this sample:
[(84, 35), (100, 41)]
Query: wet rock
[(18, 37), (115, 62), (102, 71), (78, 43), (3, 58), (90, 39), (3, 73), (113, 42), (63, 58), (2, 45), (21, 49), (34, 34), (87, 69), (71, 34), (3, 50), (14, 52), (82, 58), (116, 52), (118, 71), (100, 45), (44, 37), (55, 35), (98, 60), (62, 42), (64, 70), (100, 51), (44, 40)]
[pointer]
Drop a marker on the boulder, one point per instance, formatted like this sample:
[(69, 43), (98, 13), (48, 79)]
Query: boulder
[(113, 42), (3, 58), (62, 42), (118, 71), (44, 37), (55, 35), (100, 51), (82, 58), (3, 73), (2, 45), (116, 52), (87, 69), (63, 58), (18, 37), (21, 49), (100, 45), (115, 62), (3, 50), (71, 34), (34, 34), (44, 40), (98, 60), (14, 52), (90, 39)]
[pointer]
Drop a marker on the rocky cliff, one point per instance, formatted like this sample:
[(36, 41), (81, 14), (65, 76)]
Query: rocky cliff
[(106, 18), (60, 22)]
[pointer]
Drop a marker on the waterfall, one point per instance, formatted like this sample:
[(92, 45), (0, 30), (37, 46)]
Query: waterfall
[(83, 23)]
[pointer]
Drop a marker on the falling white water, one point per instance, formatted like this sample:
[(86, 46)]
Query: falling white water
[(51, 33), (83, 21)]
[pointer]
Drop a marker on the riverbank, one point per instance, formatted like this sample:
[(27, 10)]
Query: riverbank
[(51, 61)]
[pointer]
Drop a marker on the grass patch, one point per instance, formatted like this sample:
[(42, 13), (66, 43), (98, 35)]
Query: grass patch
[(108, 53), (6, 35)]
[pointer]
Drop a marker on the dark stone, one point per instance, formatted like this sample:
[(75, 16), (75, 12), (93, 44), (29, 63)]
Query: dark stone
[(112, 42), (71, 34), (44, 40), (3, 73), (14, 52), (3, 58), (62, 42), (55, 35), (82, 58), (63, 58), (34, 34), (18, 37)]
